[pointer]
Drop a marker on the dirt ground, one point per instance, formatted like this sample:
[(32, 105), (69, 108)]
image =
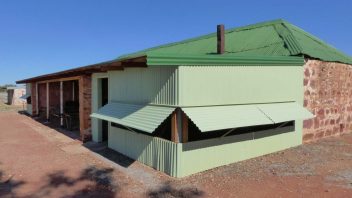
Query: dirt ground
[(38, 161), (5, 107)]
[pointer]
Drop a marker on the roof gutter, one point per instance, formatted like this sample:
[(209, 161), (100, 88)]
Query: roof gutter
[(224, 60)]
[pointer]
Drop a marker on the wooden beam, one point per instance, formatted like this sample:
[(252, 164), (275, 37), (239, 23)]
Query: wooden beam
[(134, 64), (111, 68), (59, 79), (184, 128)]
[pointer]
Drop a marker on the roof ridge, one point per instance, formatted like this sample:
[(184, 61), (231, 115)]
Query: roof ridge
[(290, 40)]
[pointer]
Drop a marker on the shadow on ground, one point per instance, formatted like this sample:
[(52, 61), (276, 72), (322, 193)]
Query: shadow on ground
[(55, 124), (114, 156), (92, 182), (8, 185), (170, 191)]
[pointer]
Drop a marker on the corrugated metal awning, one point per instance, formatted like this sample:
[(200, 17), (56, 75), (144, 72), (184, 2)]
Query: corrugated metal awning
[(234, 116), (142, 117), (282, 112), (25, 96), (226, 117)]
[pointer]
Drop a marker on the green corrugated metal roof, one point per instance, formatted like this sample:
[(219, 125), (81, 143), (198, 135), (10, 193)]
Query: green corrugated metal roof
[(273, 38), (142, 117), (234, 116), (225, 117), (282, 112)]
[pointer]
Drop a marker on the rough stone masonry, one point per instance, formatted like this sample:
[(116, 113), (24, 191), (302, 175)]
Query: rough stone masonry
[(328, 95)]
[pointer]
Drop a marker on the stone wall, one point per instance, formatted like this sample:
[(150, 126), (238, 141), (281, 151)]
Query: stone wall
[(328, 95), (85, 109)]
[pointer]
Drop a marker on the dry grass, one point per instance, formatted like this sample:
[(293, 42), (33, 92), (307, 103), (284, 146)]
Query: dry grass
[(5, 107)]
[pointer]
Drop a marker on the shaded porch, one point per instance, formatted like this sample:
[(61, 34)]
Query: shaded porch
[(64, 103)]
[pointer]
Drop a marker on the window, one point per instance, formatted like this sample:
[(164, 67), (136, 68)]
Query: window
[(195, 134)]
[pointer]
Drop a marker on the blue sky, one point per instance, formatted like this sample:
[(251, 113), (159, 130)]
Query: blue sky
[(41, 36)]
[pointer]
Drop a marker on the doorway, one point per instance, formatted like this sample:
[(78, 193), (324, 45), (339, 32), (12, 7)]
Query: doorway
[(104, 100)]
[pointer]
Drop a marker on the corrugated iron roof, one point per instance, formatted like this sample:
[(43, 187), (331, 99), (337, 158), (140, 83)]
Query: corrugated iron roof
[(142, 117), (272, 38)]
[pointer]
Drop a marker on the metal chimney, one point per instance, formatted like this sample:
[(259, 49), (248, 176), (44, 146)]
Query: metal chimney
[(221, 38)]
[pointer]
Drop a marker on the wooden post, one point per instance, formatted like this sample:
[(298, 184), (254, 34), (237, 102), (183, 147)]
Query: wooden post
[(81, 107), (36, 99), (61, 104), (179, 127), (174, 127), (73, 90), (47, 101)]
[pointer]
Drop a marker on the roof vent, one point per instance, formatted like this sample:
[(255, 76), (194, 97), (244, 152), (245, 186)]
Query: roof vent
[(221, 38)]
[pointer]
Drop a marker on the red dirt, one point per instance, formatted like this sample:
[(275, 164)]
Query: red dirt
[(37, 161)]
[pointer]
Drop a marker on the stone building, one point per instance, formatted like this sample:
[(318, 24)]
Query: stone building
[(208, 101)]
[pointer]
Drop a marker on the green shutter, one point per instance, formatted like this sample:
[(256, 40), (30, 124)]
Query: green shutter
[(142, 117), (282, 112), (226, 117), (233, 116)]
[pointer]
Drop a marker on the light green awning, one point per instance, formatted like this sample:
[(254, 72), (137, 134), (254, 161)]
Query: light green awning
[(234, 116), (226, 117), (282, 112), (142, 117), (25, 96)]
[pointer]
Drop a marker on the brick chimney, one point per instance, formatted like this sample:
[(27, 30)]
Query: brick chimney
[(221, 39)]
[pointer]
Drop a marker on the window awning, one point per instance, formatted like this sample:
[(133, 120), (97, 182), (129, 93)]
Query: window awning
[(226, 117), (148, 117), (142, 117), (25, 96), (282, 112), (234, 116)]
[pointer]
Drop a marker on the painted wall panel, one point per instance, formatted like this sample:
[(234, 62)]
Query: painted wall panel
[(206, 154), (155, 85), (152, 151), (179, 160), (218, 85)]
